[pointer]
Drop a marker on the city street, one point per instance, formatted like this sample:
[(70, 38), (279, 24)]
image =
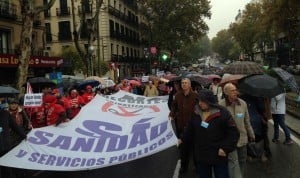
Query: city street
[(283, 164)]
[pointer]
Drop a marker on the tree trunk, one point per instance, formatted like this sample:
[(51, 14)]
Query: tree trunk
[(25, 42)]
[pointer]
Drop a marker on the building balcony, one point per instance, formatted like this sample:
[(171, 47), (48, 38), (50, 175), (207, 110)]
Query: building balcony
[(63, 11), (8, 10)]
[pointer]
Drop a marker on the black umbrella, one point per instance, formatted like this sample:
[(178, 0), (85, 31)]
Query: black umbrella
[(260, 85), (6, 91), (93, 83), (38, 83)]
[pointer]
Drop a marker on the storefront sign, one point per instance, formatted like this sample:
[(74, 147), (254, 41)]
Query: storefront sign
[(10, 60)]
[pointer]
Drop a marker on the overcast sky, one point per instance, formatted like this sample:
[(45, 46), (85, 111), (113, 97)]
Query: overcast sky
[(223, 13)]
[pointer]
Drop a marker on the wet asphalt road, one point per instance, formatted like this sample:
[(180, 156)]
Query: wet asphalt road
[(284, 163)]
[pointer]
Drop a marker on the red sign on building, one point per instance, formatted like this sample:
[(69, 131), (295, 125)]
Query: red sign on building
[(10, 60)]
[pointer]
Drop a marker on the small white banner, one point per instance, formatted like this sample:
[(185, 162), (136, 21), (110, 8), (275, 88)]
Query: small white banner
[(109, 130), (33, 99)]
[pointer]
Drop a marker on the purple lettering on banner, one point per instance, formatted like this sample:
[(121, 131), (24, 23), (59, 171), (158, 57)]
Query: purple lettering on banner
[(154, 101), (21, 153), (158, 130), (100, 161), (117, 143), (83, 144), (153, 146), (169, 135), (139, 135), (41, 138), (94, 129), (112, 159), (83, 161), (51, 160), (42, 159), (63, 142), (75, 162), (61, 161), (91, 162), (34, 157)]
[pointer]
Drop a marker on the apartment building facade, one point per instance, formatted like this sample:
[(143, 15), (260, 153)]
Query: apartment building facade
[(10, 34), (118, 41)]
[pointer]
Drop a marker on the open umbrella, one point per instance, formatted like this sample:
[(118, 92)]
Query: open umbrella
[(83, 84), (38, 83), (100, 80), (6, 91), (260, 85), (200, 80), (288, 78), (244, 67), (135, 82), (230, 78)]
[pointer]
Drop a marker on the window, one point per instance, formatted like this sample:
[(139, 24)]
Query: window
[(48, 32), (64, 30), (112, 48), (4, 41), (111, 28)]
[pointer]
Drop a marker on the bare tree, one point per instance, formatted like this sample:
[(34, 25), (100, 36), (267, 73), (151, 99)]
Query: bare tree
[(92, 30), (29, 12)]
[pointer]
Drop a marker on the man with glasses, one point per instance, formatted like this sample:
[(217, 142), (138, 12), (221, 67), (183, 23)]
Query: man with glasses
[(239, 111)]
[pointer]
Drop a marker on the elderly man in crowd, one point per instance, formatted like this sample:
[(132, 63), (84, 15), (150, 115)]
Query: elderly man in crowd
[(239, 111)]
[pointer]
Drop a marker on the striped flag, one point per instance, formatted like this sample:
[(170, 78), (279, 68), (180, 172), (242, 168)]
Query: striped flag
[(29, 88)]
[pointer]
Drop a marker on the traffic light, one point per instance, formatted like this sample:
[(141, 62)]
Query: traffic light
[(164, 57)]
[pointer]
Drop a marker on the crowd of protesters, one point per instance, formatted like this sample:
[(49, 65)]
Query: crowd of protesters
[(214, 125)]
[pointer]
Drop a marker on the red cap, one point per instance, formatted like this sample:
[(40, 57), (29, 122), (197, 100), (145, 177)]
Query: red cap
[(55, 91), (49, 99), (88, 87)]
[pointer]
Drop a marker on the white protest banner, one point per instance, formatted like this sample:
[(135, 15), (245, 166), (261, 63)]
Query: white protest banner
[(145, 78), (33, 99), (109, 130)]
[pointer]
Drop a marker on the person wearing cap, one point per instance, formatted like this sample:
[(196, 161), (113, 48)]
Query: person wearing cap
[(239, 111), (181, 112), (20, 118), (55, 113), (62, 100), (76, 102), (88, 94), (150, 90), (213, 134)]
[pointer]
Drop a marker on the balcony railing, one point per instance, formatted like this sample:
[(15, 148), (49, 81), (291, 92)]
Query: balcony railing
[(63, 11), (8, 10)]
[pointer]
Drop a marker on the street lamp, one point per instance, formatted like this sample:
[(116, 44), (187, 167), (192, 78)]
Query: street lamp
[(91, 50)]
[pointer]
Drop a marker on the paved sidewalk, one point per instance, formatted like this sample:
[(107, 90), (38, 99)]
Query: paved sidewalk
[(293, 123)]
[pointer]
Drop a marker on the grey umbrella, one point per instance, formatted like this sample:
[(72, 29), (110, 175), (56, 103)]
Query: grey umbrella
[(288, 78), (8, 91), (244, 68)]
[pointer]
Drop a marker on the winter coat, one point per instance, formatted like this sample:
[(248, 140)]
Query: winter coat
[(7, 122), (220, 133)]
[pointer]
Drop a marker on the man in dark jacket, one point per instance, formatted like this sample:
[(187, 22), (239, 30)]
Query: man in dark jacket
[(213, 133), (7, 122), (181, 111)]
